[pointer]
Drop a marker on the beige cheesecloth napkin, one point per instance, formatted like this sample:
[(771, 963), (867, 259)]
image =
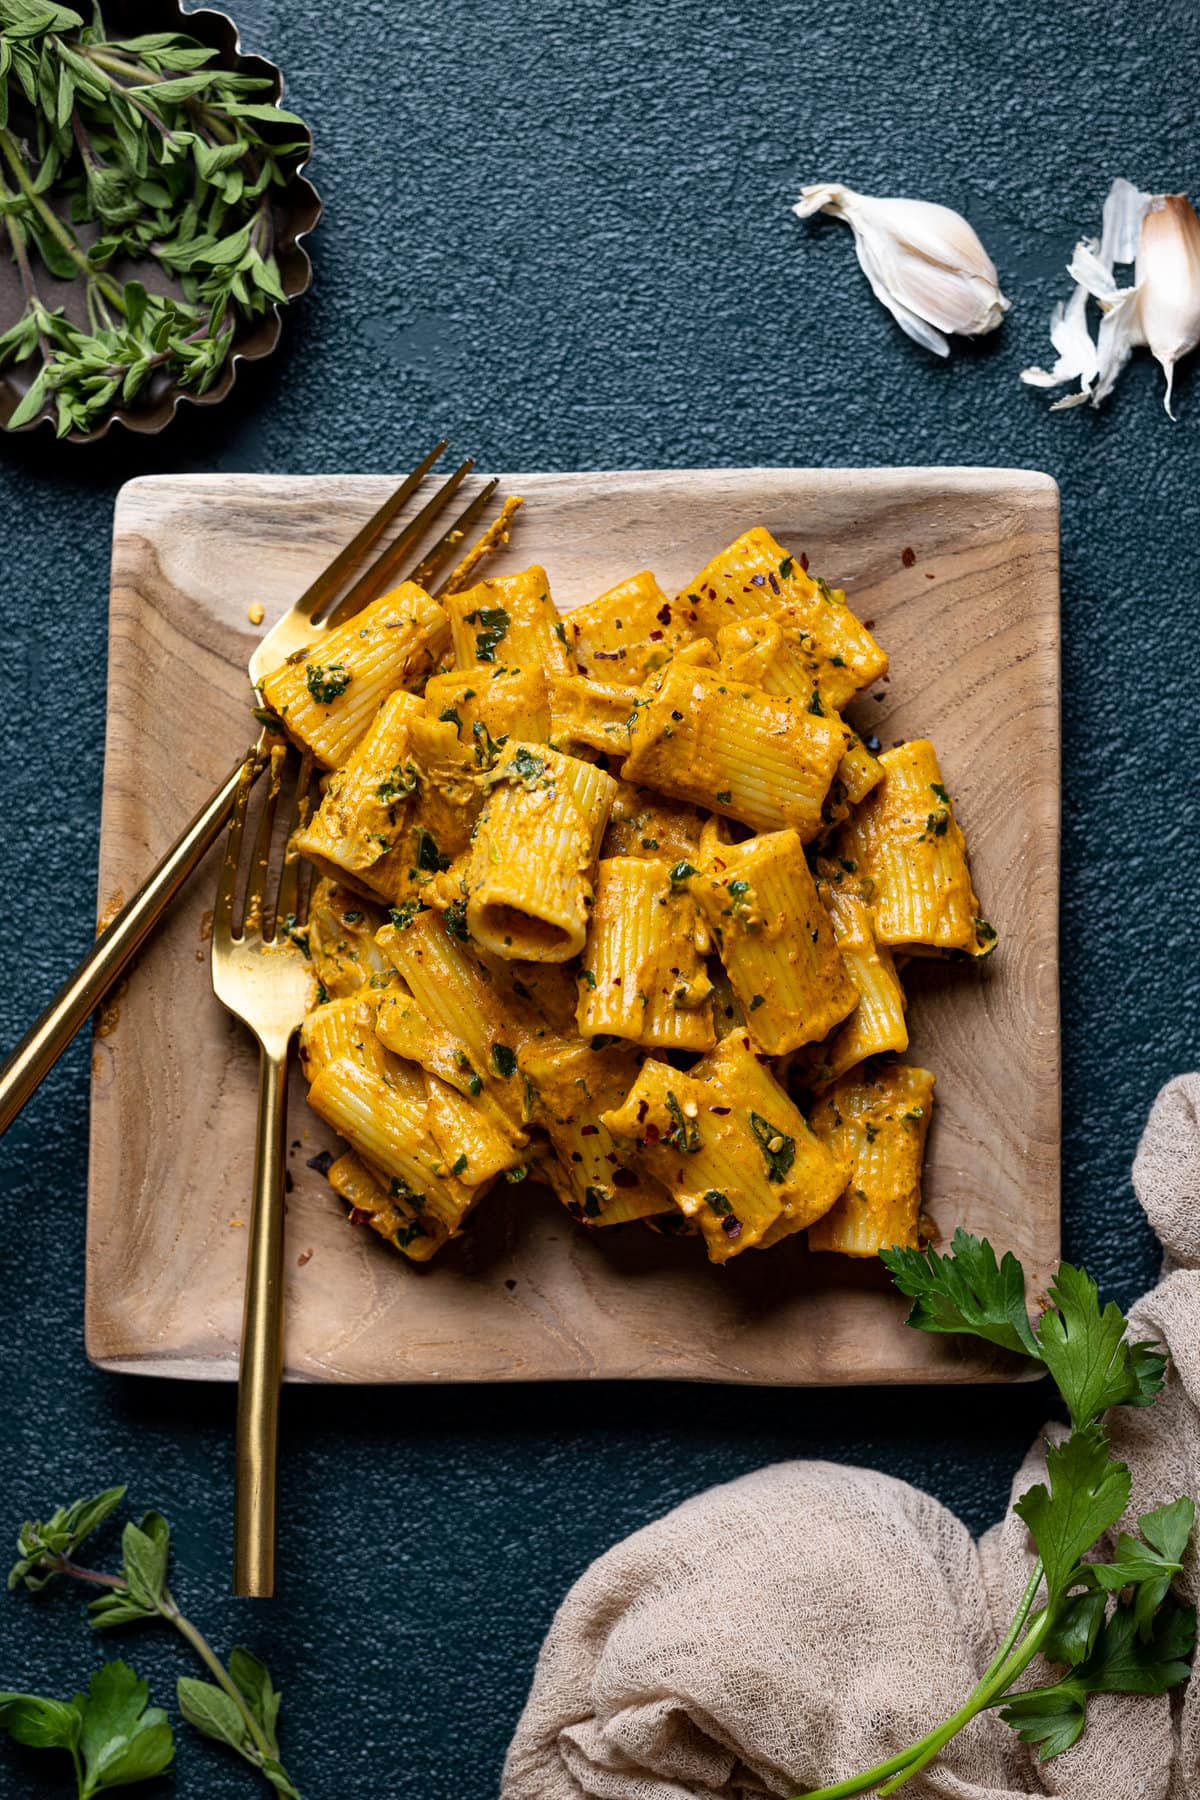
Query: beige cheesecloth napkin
[(807, 1621)]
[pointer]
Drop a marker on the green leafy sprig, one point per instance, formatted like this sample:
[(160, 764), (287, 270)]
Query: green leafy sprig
[(238, 1707), (1112, 1625), (167, 161)]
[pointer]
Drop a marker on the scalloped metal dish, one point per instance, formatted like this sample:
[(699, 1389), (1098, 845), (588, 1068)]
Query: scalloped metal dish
[(295, 212)]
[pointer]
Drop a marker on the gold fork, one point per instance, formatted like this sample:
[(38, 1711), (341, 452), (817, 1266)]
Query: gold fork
[(314, 613), (260, 974)]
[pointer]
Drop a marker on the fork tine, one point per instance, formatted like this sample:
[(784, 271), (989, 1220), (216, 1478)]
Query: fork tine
[(227, 885), (253, 921), (287, 895), (452, 537), (374, 580), (325, 587)]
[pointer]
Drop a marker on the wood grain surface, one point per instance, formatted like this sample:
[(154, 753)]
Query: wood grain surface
[(958, 570)]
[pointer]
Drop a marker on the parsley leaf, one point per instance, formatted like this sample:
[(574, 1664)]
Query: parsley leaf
[(966, 1291), (1088, 1492), (112, 1736), (1120, 1661), (326, 684), (1087, 1353), (779, 1150), (495, 622)]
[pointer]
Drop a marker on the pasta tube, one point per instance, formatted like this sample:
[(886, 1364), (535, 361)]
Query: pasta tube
[(414, 1230), (643, 823), (343, 1029), (878, 1123), (644, 977), (385, 1120), (755, 575), (906, 843), (535, 844), (328, 697), (365, 800), (627, 633), (508, 622), (341, 941), (732, 1150), (783, 659), (451, 989), (776, 941), (592, 714), (877, 1023), (590, 1173), (766, 761), (485, 709)]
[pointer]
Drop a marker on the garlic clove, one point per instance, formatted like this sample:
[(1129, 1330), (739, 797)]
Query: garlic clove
[(923, 261), (1070, 336), (1168, 282)]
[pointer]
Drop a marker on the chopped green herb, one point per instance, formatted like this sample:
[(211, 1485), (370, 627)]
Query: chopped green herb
[(937, 823), (495, 622), (517, 1173), (504, 1061), (724, 796), (593, 1200), (403, 915), (588, 976), (487, 748), (937, 788), (326, 684), (786, 566), (684, 1133), (449, 715), (560, 634), (719, 1202), (683, 871), (525, 766), (454, 919), (459, 1165), (400, 1190), (429, 857), (266, 719), (400, 783), (814, 705), (757, 1001), (778, 1149)]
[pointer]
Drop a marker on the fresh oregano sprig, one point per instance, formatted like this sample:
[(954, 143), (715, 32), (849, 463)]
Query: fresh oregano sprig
[(238, 1707), (1112, 1625), (170, 162)]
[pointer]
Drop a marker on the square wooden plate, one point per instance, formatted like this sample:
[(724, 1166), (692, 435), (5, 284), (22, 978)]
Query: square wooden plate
[(958, 570)]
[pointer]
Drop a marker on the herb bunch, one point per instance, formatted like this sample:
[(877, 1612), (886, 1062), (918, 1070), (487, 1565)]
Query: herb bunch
[(134, 151), (1111, 1624), (112, 1738)]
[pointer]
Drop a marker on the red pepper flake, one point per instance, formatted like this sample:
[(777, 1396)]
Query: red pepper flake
[(868, 624), (803, 560), (908, 557), (359, 1215), (722, 1110), (589, 1131), (758, 581), (663, 615), (731, 1227), (929, 575), (305, 1256), (643, 1109), (774, 581), (656, 637), (745, 1043), (652, 1133), (624, 1178)]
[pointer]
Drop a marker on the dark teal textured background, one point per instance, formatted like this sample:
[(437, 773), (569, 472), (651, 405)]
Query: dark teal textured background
[(561, 235)]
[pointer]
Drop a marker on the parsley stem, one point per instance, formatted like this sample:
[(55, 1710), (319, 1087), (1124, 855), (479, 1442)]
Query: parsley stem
[(54, 224), (216, 1668), (1001, 1681), (16, 237), (905, 1762)]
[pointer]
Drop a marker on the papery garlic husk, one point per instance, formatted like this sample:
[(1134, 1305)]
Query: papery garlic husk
[(923, 261), (1161, 309)]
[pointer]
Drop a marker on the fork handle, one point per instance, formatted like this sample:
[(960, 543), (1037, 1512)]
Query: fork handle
[(261, 1366), (42, 1046)]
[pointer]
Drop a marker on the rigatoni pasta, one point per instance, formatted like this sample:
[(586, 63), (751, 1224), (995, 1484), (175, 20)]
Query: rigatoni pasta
[(617, 900)]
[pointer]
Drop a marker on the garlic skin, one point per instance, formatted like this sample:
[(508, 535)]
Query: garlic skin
[(1160, 235), (1168, 280), (923, 261)]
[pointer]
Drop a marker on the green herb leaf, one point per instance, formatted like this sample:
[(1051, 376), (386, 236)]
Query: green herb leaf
[(504, 1061), (209, 1708), (40, 1545), (1088, 1492), (40, 1723), (121, 1739), (146, 1549), (1087, 1353), (685, 1132), (778, 1149), (966, 1292), (1120, 1661)]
